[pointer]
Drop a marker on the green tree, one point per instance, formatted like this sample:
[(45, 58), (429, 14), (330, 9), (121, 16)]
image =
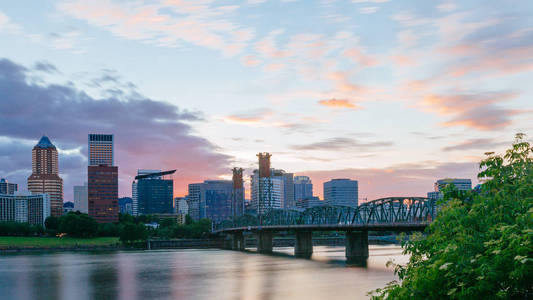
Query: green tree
[(481, 243), (131, 232), (52, 222)]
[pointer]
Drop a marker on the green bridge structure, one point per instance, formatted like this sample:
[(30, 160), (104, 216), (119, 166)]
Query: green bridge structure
[(396, 214)]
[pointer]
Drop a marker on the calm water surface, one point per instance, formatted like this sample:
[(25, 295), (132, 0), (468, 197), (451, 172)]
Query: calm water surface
[(193, 274)]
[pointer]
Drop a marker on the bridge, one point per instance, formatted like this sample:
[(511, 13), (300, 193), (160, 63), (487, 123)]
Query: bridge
[(399, 214)]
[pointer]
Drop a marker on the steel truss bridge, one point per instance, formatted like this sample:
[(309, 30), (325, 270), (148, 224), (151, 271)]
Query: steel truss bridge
[(381, 214), (386, 214)]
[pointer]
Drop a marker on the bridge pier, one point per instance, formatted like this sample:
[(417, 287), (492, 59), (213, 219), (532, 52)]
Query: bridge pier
[(238, 241), (304, 244), (357, 247), (264, 241)]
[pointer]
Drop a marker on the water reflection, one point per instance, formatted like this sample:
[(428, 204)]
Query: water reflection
[(194, 274)]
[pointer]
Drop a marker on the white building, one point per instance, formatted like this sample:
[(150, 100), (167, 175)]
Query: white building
[(80, 198), (24, 207), (272, 190)]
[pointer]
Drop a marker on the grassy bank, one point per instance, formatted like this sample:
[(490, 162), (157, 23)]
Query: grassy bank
[(15, 242)]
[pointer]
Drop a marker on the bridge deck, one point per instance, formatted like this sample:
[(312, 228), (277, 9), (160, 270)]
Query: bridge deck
[(415, 226)]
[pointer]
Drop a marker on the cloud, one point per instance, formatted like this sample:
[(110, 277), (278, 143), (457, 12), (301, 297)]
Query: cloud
[(45, 67), (167, 23), (368, 10), (476, 144), (338, 103), (149, 134), (7, 26), (341, 144), (474, 110), (253, 117), (446, 7), (399, 180)]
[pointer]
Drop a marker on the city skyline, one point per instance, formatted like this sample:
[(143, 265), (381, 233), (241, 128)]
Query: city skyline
[(331, 95)]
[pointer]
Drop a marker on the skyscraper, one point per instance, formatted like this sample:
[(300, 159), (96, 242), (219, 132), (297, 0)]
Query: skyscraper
[(267, 192), (103, 193), (303, 188), (44, 178), (155, 192), (217, 196), (343, 192), (80, 198), (193, 200), (238, 193), (101, 150), (7, 188), (102, 179)]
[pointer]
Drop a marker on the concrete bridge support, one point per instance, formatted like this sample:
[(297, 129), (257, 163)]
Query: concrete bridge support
[(304, 244), (357, 247), (264, 241), (238, 241)]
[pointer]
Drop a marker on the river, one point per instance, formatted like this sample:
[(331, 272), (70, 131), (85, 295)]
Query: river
[(194, 274)]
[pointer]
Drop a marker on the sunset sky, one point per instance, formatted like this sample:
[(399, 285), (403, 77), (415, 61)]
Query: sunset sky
[(395, 94)]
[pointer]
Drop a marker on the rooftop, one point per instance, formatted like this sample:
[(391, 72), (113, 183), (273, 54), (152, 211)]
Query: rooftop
[(44, 143)]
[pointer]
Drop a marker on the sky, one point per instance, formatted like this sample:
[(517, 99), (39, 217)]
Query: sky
[(395, 94)]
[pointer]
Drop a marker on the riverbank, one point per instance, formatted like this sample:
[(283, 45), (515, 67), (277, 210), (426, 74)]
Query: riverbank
[(19, 243)]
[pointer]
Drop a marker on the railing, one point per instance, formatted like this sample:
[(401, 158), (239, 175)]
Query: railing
[(380, 211)]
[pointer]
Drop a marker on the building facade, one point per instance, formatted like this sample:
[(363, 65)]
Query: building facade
[(342, 192), (181, 206), (68, 207), (194, 201), (101, 149), (7, 188), (308, 202), (217, 196), (303, 188), (155, 194), (33, 209), (267, 192), (461, 184), (80, 198), (238, 193), (102, 186), (44, 178)]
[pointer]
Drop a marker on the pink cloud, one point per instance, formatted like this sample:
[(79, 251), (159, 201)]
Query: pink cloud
[(338, 103)]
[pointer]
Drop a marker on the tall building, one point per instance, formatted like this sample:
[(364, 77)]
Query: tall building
[(7, 188), (134, 199), (211, 199), (288, 189), (303, 188), (308, 202), (102, 179), (238, 193), (68, 207), (155, 192), (217, 196), (342, 192), (80, 198), (102, 193), (33, 209), (267, 192), (194, 201), (101, 149), (44, 178)]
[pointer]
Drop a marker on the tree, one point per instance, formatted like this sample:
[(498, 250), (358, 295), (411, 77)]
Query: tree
[(78, 225), (132, 232), (52, 222), (481, 243)]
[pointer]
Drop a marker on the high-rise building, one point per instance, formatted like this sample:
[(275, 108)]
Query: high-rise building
[(44, 178), (342, 192), (211, 199), (288, 189), (238, 193), (267, 192), (68, 207), (155, 192), (194, 200), (7, 188), (101, 149), (217, 196), (134, 199), (80, 198), (303, 188), (33, 209), (102, 189)]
